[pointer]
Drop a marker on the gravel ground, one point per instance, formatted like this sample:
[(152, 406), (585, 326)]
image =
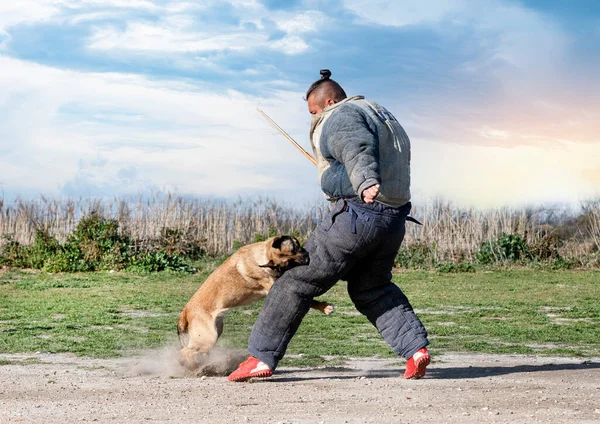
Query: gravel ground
[(56, 388)]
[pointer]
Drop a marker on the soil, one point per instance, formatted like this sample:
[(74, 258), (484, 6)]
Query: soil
[(57, 388)]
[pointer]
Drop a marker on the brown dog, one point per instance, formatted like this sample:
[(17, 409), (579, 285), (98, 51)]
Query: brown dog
[(244, 278)]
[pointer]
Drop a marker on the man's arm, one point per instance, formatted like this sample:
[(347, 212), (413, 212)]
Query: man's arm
[(351, 141)]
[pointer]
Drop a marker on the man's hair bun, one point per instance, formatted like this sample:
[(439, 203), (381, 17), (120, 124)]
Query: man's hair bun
[(325, 74)]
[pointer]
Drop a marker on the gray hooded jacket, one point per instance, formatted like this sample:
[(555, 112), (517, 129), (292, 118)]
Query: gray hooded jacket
[(358, 143)]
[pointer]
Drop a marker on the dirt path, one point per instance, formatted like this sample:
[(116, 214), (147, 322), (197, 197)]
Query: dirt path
[(458, 388)]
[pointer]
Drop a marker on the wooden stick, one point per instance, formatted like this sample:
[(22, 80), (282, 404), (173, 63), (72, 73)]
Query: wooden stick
[(286, 135)]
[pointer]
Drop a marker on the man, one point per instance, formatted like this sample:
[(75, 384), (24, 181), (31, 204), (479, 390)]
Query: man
[(363, 157)]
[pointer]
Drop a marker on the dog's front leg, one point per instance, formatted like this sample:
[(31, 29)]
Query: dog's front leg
[(326, 308)]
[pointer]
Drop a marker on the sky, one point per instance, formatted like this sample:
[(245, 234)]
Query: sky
[(111, 98)]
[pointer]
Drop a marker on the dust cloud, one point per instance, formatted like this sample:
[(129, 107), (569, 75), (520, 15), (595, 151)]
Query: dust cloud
[(164, 362)]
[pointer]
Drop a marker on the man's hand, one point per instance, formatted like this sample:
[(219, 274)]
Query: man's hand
[(369, 194)]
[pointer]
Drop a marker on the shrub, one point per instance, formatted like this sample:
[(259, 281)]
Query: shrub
[(19, 256), (95, 244), (545, 247), (508, 247), (13, 253), (176, 241), (416, 255), (155, 261), (262, 237), (44, 247), (57, 263), (561, 263), (462, 266)]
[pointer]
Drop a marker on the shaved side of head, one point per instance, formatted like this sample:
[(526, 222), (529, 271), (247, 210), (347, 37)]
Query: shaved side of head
[(323, 93), (327, 90)]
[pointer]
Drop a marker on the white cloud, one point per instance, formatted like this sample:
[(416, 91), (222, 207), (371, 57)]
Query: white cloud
[(164, 38), (74, 129), (308, 21), (172, 30), (124, 4), (27, 11), (177, 34), (290, 45)]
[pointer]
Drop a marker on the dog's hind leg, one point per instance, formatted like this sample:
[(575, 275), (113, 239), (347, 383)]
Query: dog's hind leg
[(219, 325), (326, 308), (203, 335)]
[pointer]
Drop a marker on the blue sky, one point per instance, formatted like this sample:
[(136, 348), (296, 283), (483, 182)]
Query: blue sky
[(501, 98)]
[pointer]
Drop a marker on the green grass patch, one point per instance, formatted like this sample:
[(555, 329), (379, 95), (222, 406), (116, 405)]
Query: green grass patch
[(112, 314), (26, 361)]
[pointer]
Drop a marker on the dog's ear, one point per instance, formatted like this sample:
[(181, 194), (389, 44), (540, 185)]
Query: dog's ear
[(270, 264), (277, 242)]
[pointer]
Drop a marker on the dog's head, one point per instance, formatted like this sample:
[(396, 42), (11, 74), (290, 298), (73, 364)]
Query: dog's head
[(285, 252)]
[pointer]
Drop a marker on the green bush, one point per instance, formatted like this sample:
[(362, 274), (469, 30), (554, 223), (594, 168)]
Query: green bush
[(258, 237), (546, 248), (155, 261), (20, 256), (13, 254), (176, 241), (44, 247), (57, 263), (561, 263), (96, 244), (417, 255), (262, 237), (514, 248), (454, 268), (506, 248)]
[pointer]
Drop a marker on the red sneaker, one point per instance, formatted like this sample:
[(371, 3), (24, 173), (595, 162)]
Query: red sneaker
[(250, 368), (416, 364)]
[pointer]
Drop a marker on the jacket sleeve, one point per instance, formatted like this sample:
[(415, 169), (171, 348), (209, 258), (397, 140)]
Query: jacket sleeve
[(350, 140)]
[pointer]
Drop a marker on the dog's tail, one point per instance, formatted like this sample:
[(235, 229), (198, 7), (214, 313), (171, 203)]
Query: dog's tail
[(182, 329)]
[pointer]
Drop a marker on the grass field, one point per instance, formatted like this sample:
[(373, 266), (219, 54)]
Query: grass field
[(111, 314)]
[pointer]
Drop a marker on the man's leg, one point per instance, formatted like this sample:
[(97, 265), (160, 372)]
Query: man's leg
[(371, 289), (334, 247), (333, 250), (384, 304), (388, 309)]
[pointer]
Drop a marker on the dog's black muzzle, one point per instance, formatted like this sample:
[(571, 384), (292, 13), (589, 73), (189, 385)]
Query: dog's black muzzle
[(305, 260)]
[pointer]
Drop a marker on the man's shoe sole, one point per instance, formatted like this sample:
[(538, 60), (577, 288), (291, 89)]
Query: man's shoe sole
[(263, 374)]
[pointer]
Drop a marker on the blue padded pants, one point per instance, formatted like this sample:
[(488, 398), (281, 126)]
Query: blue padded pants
[(357, 243)]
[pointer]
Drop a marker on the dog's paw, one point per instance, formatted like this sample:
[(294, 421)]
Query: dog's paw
[(329, 309)]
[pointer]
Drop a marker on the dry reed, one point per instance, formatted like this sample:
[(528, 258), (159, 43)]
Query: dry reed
[(452, 233), (214, 226)]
